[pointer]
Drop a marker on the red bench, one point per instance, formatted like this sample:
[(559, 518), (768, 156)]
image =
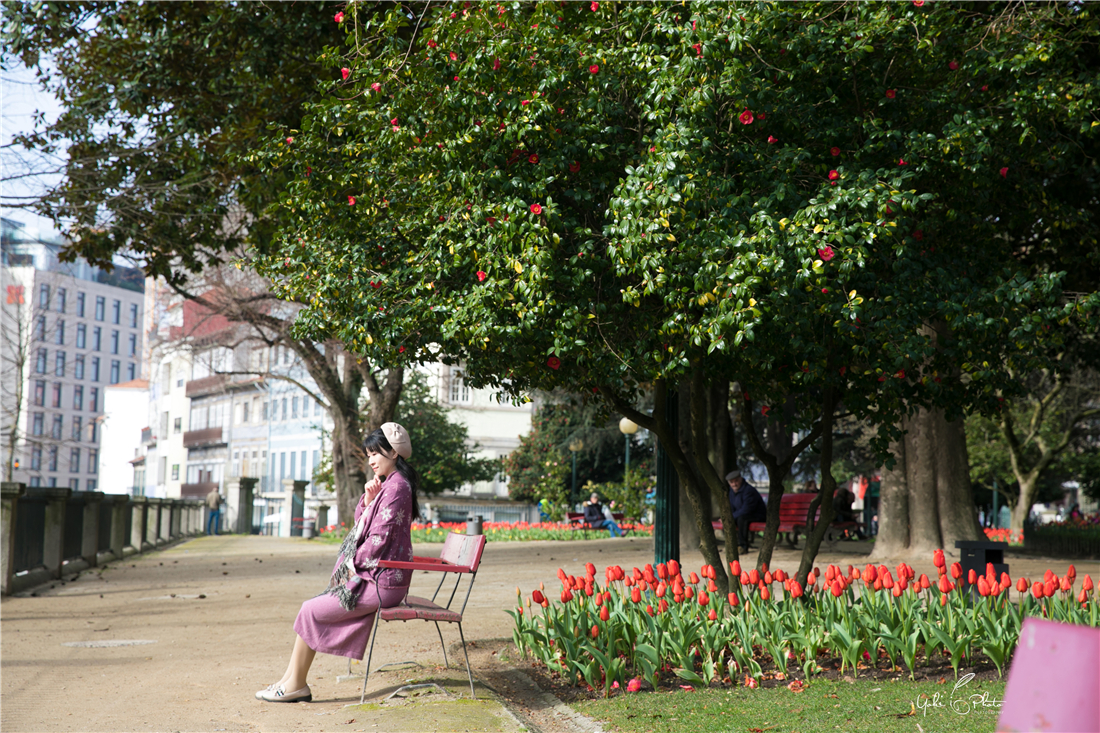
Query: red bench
[(576, 522), (792, 520)]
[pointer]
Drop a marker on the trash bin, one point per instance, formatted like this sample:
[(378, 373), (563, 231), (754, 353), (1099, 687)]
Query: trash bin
[(307, 527), (473, 524)]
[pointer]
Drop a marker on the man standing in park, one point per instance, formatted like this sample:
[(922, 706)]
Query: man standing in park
[(747, 506), (214, 504)]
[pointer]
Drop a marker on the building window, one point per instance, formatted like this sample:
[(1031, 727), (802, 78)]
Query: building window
[(74, 460), (282, 465), (175, 472), (56, 396), (316, 463), (131, 371), (51, 458), (95, 368), (41, 364), (93, 431), (38, 422), (93, 399), (36, 481), (132, 350), (97, 338), (116, 312), (317, 408), (92, 484), (302, 469), (58, 427), (293, 457), (244, 412), (177, 425), (78, 427), (80, 304), (115, 367), (36, 457), (78, 397), (61, 300), (265, 411), (51, 482), (59, 364), (133, 315), (81, 336), (93, 463), (284, 408), (293, 408), (74, 484), (114, 342), (44, 297), (459, 391), (100, 307), (40, 328), (78, 367), (59, 334), (39, 393)]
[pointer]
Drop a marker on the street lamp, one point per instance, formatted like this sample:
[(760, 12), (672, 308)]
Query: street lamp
[(575, 446), (627, 427)]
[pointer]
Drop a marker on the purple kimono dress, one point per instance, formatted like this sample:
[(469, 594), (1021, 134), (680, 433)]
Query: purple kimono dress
[(339, 621)]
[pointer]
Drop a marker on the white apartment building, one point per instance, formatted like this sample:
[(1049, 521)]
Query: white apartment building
[(69, 331)]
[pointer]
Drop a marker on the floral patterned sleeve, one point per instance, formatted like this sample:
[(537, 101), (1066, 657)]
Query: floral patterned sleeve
[(388, 532)]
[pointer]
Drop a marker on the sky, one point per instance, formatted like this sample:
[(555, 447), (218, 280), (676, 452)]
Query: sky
[(20, 98)]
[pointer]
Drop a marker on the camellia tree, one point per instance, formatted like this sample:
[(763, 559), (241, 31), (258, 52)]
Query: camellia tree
[(817, 202)]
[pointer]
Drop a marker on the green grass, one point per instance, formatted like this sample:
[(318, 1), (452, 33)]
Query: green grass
[(863, 705)]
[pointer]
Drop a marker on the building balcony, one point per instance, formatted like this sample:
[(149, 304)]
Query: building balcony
[(213, 384), (201, 438), (197, 491), (147, 437)]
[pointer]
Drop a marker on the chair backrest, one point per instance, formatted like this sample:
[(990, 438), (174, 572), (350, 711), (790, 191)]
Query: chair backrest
[(463, 549), (793, 507)]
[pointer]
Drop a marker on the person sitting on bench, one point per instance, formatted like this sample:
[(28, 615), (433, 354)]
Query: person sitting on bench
[(747, 506), (598, 518)]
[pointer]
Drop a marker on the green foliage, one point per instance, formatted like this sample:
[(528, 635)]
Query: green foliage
[(441, 454), (539, 468), (629, 496)]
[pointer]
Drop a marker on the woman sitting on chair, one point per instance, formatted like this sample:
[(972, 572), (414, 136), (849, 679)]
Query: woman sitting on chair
[(339, 620)]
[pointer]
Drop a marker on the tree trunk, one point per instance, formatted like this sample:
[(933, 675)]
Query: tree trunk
[(828, 486), (926, 500)]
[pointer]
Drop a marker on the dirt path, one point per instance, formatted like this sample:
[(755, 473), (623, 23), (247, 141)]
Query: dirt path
[(219, 612)]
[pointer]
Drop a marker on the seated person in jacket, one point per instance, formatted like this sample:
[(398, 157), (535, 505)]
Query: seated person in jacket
[(598, 518), (747, 506)]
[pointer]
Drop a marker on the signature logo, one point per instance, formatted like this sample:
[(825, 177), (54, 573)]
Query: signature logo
[(959, 703)]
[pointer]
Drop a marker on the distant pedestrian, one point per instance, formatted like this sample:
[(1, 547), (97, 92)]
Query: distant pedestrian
[(214, 503), (599, 517)]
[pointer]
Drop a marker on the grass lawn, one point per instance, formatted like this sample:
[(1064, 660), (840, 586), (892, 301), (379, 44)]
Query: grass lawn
[(872, 706)]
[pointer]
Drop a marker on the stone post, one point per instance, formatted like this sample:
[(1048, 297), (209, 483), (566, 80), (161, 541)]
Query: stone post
[(322, 517), (90, 547), (296, 493), (10, 492), (138, 522), (53, 539), (164, 522), (119, 531), (239, 494)]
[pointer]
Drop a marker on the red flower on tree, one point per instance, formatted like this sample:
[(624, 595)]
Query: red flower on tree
[(481, 276), (594, 69), (746, 117), (890, 94), (345, 73), (533, 158), (595, 6), (918, 235), (953, 65), (496, 64), (826, 253), (453, 56), (574, 167), (351, 201), (833, 175), (339, 18), (698, 48), (376, 87), (772, 140), (835, 151), (553, 362), (536, 209), (1004, 172)]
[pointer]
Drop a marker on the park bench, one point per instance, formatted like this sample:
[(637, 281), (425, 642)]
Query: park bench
[(793, 509), (577, 523)]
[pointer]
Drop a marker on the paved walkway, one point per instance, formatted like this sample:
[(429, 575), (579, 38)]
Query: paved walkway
[(216, 614)]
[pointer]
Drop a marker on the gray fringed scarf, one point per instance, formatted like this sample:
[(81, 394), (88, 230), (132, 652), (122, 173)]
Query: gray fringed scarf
[(345, 570)]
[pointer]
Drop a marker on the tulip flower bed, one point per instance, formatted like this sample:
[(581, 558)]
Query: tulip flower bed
[(654, 627), (1011, 536), (494, 531)]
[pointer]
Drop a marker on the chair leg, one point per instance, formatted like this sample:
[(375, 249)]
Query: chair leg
[(370, 654), (440, 632), (469, 674)]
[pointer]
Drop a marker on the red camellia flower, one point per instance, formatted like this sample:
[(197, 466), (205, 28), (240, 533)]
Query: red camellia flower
[(533, 158), (772, 140), (289, 140), (746, 117), (765, 410), (452, 56), (835, 151), (595, 6), (761, 116), (525, 102), (918, 235), (351, 201), (698, 49), (826, 253), (594, 69), (339, 18), (496, 64), (918, 3), (553, 362), (825, 291), (890, 94), (1004, 172), (833, 175), (481, 276), (574, 167), (953, 65), (376, 87), (345, 72), (901, 161), (536, 209)]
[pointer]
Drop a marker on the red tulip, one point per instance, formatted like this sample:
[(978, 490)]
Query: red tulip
[(688, 593), (713, 615), (604, 613), (768, 577), (1064, 585), (945, 585), (897, 591), (983, 587), (971, 577), (735, 568), (938, 559), (765, 594), (795, 589), (1082, 597), (704, 599), (754, 576), (649, 610), (1071, 573), (693, 579), (956, 570), (811, 579), (869, 574), (673, 567), (1050, 587), (636, 595), (734, 600), (662, 606), (566, 596), (595, 630), (1005, 580), (837, 589), (661, 589), (712, 586), (538, 597), (887, 581), (1086, 584), (1021, 585)]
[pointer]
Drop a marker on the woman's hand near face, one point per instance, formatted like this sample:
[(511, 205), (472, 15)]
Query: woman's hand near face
[(371, 490)]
